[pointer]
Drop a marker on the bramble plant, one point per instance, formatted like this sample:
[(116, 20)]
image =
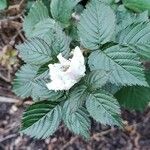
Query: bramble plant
[(81, 63)]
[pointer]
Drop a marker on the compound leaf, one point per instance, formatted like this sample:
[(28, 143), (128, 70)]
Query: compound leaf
[(41, 119), (97, 25), (137, 37), (27, 83), (35, 51), (104, 108), (51, 32), (123, 64), (96, 79), (77, 120), (38, 12), (61, 10), (135, 97)]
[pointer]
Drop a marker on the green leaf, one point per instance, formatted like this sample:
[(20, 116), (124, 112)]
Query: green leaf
[(38, 12), (51, 32), (77, 96), (137, 5), (97, 25), (35, 51), (111, 88), (126, 18), (3, 4), (135, 97), (61, 10), (96, 79), (41, 119), (27, 83), (44, 30), (104, 108), (106, 1), (123, 64), (77, 120), (137, 37)]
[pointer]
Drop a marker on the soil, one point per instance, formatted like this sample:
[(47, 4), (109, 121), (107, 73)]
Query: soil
[(135, 135)]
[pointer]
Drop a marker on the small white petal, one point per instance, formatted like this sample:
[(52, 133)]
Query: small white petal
[(62, 60), (68, 72)]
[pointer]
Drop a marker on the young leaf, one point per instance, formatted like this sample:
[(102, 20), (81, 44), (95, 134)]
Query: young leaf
[(104, 108), (37, 13), (35, 51), (61, 10), (97, 25), (41, 119), (123, 64), (26, 84), (77, 120), (137, 37), (135, 97)]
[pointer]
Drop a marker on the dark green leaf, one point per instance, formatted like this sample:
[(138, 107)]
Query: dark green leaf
[(97, 25), (77, 120), (104, 108), (35, 51), (77, 96), (135, 97), (28, 83), (137, 5), (96, 79), (137, 37), (62, 10), (126, 18), (38, 12), (41, 119), (124, 65), (51, 32)]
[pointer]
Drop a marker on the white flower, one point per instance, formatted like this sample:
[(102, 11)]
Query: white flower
[(65, 74)]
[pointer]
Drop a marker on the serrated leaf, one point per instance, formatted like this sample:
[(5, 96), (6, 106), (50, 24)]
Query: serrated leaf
[(135, 97), (3, 4), (96, 79), (77, 120), (126, 18), (111, 88), (35, 51), (77, 96), (27, 84), (137, 6), (61, 10), (97, 25), (51, 32), (106, 1), (44, 29), (41, 119), (38, 12), (104, 108), (137, 37), (123, 64)]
